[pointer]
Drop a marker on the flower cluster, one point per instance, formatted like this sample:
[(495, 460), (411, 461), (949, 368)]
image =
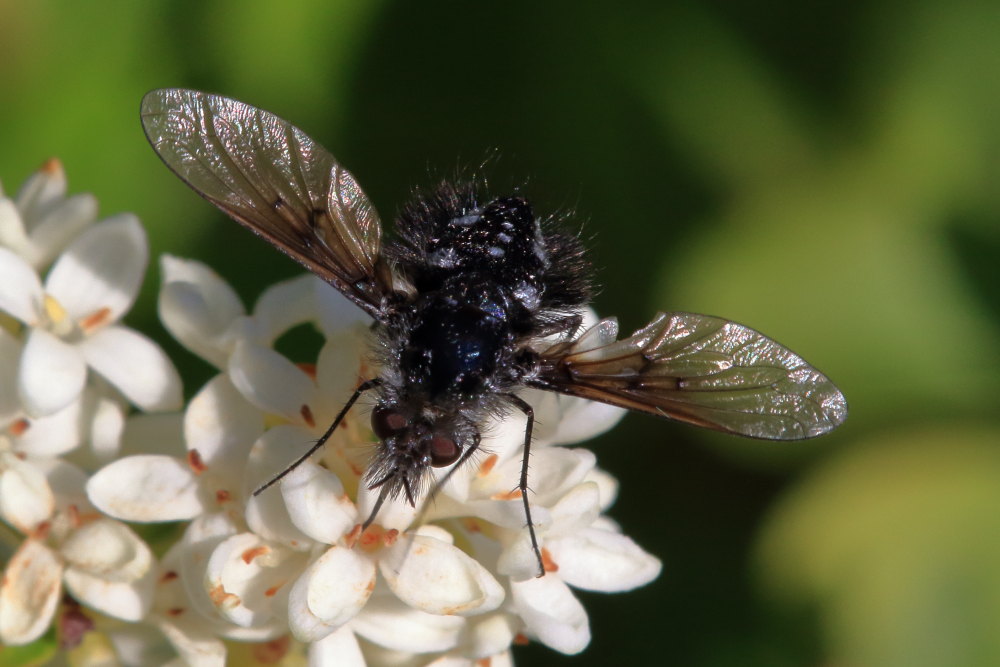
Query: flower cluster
[(68, 373), (287, 573)]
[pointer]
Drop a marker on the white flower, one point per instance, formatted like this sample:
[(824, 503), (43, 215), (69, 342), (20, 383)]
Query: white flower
[(27, 448), (41, 221), (72, 322), (204, 313), (101, 562), (49, 407)]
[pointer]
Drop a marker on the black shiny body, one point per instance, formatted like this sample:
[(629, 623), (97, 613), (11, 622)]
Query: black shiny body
[(488, 280)]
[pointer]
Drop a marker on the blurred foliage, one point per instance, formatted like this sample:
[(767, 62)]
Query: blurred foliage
[(897, 540), (824, 172)]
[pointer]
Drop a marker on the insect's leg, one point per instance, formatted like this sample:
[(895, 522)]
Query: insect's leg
[(362, 388), (522, 485)]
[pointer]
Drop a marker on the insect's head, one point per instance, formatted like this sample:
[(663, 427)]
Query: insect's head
[(412, 442)]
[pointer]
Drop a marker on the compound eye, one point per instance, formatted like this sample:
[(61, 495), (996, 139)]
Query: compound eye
[(388, 422), (444, 451)]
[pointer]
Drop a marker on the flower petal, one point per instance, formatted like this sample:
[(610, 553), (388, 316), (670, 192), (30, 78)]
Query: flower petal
[(554, 471), (243, 575), (602, 560), (338, 648), (489, 634), (272, 382), (101, 271), (107, 428), (222, 426), (338, 365), (20, 290), (128, 601), (26, 498), (552, 613), (218, 294), (136, 366), (147, 488), (266, 513), (56, 434), (13, 234), (29, 592), (565, 419), (201, 537), (55, 229), (388, 622), (284, 306), (335, 312), (51, 375), (197, 644), (43, 190), (317, 504), (107, 549), (607, 486), (575, 511), (197, 307), (436, 577), (330, 593)]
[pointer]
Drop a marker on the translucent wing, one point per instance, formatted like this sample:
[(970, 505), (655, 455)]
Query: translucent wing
[(272, 178), (701, 370)]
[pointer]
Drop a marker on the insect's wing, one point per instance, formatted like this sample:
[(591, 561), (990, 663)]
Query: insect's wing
[(269, 176), (701, 370)]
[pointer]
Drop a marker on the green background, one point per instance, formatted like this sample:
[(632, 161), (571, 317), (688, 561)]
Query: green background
[(824, 172)]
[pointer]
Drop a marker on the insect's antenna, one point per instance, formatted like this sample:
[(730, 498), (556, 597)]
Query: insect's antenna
[(362, 388)]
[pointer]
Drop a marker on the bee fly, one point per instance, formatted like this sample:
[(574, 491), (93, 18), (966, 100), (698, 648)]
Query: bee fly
[(466, 302)]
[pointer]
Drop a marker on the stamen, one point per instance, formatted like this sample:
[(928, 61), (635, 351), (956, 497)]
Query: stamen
[(307, 416), (513, 494), (547, 562), (53, 310), (250, 554), (95, 319), (195, 463), (220, 598), (488, 464), (19, 427), (51, 167)]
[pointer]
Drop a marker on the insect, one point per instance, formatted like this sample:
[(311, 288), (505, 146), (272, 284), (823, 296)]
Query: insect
[(467, 302)]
